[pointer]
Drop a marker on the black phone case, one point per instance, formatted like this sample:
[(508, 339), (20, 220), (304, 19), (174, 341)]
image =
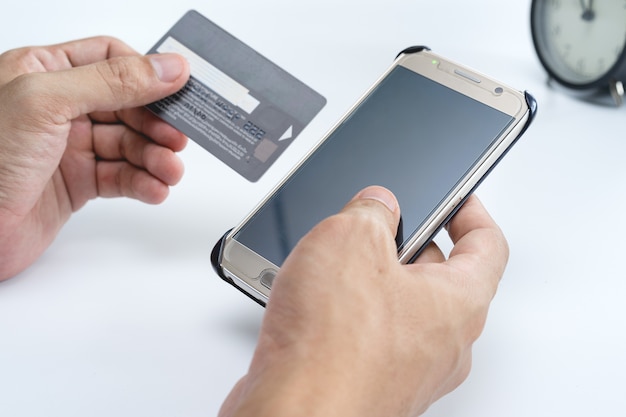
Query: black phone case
[(216, 253)]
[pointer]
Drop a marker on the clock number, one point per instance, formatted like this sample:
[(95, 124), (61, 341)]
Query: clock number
[(567, 48)]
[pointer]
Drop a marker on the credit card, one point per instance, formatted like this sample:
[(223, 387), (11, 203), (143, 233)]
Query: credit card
[(238, 105)]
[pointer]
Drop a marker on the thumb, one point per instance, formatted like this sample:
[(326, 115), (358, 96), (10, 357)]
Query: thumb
[(113, 84), (377, 201)]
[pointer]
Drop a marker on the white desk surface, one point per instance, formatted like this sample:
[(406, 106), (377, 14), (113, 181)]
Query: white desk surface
[(124, 316)]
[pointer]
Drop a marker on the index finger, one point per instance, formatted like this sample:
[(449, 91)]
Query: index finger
[(89, 50), (480, 248), (61, 56)]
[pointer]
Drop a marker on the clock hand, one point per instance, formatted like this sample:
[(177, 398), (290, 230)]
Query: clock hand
[(588, 13)]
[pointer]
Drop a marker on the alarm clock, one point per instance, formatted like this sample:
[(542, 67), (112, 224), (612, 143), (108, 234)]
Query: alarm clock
[(582, 43)]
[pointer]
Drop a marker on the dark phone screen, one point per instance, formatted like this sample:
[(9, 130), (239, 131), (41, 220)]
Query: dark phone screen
[(412, 135)]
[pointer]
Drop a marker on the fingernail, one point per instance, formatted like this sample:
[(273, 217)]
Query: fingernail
[(379, 194), (168, 67)]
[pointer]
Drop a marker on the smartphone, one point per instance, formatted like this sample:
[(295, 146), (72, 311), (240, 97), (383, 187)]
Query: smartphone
[(429, 130)]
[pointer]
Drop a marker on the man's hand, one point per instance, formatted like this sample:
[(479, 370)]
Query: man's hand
[(72, 128), (349, 331)]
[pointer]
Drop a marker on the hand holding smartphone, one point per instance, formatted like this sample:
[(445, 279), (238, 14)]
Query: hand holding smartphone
[(428, 129)]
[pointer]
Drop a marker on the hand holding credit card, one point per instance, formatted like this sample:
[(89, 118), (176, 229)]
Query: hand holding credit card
[(238, 105)]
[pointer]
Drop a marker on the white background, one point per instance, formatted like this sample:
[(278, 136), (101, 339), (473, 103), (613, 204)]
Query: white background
[(124, 316)]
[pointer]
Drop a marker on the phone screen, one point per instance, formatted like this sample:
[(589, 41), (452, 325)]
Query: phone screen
[(411, 135)]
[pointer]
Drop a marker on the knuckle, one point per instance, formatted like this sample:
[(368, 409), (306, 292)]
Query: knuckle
[(34, 59), (353, 223), (107, 39), (18, 57), (474, 307), (16, 62), (14, 55), (114, 46), (121, 78), (355, 229)]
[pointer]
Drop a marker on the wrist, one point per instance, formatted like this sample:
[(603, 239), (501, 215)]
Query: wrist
[(295, 387), (314, 383)]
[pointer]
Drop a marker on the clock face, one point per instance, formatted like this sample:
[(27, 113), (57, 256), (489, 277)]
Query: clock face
[(579, 41)]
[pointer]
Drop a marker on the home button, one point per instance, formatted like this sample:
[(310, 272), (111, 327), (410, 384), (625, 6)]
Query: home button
[(267, 278)]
